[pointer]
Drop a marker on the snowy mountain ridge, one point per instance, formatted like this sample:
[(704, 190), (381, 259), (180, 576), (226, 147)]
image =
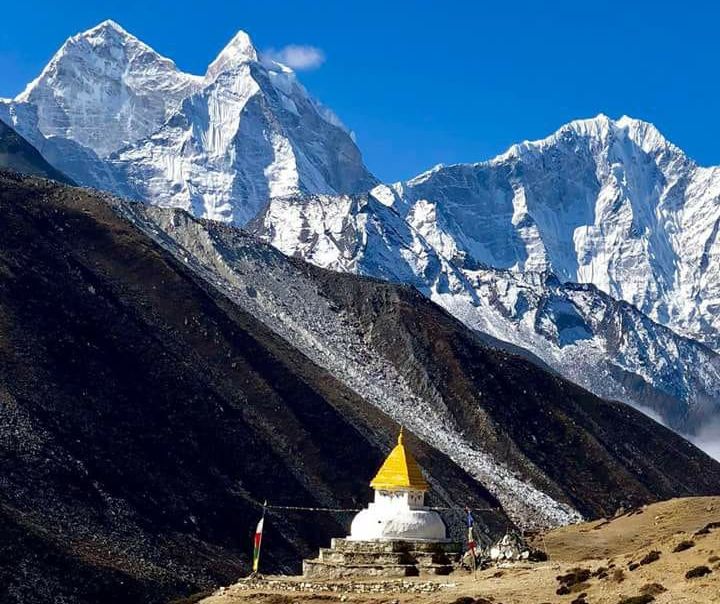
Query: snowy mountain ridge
[(611, 203), (113, 114)]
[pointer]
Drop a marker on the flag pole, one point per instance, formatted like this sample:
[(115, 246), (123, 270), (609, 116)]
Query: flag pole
[(257, 543), (471, 540)]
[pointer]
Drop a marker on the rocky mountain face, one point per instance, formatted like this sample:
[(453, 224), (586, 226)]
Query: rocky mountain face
[(161, 375), (595, 249), (608, 346), (113, 114), (601, 201)]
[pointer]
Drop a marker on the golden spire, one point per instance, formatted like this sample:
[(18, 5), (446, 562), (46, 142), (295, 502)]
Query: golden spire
[(400, 471)]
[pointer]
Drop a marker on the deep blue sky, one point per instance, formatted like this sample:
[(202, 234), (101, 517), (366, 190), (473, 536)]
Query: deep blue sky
[(427, 82)]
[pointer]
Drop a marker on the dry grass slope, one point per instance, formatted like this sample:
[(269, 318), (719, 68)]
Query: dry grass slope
[(589, 563)]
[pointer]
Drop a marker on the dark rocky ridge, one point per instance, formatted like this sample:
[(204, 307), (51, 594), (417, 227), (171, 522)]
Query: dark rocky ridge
[(598, 455), (593, 454), (142, 415), (18, 155)]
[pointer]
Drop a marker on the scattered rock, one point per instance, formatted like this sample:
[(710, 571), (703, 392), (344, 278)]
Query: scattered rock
[(683, 545), (650, 557), (698, 571), (573, 581), (633, 566), (712, 559), (618, 575), (601, 524), (511, 547), (642, 599), (573, 576), (707, 528), (652, 589)]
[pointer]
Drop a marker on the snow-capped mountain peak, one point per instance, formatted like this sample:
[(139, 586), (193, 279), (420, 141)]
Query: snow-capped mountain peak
[(602, 131), (104, 89), (647, 137), (112, 113), (238, 51), (105, 31)]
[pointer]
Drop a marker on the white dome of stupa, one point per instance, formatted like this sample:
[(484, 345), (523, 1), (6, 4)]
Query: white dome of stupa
[(398, 512)]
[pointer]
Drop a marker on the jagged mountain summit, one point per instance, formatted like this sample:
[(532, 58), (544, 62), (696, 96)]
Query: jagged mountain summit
[(113, 114), (105, 89), (595, 249), (601, 201)]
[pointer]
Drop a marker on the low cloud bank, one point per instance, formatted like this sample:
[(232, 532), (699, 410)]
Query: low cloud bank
[(708, 439)]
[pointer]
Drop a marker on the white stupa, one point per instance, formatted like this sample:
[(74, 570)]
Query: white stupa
[(396, 535), (398, 512)]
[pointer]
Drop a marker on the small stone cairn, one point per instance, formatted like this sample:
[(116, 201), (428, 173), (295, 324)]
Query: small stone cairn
[(511, 548)]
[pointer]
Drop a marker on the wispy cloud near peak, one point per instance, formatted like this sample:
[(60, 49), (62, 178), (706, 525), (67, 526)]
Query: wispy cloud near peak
[(300, 57)]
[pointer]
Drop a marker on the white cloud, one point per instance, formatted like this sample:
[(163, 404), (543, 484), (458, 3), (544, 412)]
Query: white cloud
[(708, 439), (297, 56)]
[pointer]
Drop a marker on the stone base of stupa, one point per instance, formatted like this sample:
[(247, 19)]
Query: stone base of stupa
[(346, 558)]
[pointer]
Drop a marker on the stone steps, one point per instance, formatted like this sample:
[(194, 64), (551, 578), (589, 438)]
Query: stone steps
[(390, 546), (397, 559), (338, 557), (363, 557), (316, 568)]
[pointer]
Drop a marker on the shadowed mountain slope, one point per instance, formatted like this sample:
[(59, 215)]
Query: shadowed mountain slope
[(143, 415), (18, 155), (544, 447)]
